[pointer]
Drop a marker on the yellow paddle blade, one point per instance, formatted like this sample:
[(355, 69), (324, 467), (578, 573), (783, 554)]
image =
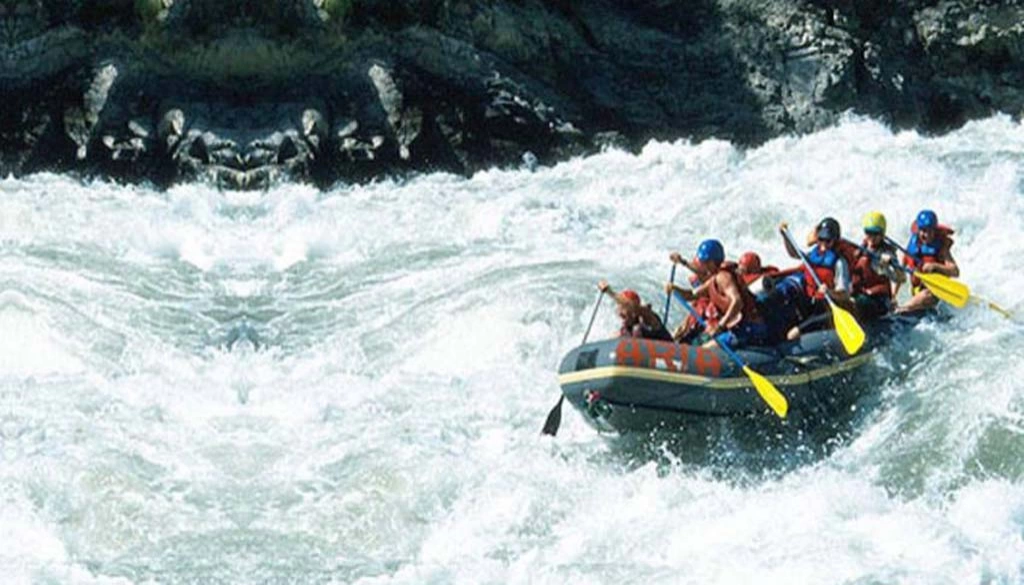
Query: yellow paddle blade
[(952, 291), (769, 393), (849, 331)]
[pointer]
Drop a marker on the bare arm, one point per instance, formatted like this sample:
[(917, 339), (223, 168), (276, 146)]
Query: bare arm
[(888, 263), (687, 294), (843, 280), (671, 287), (607, 289), (702, 290), (733, 314), (897, 283)]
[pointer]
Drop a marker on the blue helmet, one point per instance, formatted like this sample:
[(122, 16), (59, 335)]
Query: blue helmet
[(711, 250), (927, 219)]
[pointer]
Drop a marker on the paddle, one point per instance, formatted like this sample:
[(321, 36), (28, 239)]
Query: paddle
[(1004, 312), (769, 393), (850, 333), (668, 299), (952, 291), (554, 419)]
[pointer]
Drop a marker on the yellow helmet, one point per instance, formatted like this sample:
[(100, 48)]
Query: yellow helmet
[(874, 222)]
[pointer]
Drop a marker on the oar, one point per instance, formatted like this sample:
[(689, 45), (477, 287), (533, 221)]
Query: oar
[(993, 306), (668, 299), (850, 333), (952, 291), (769, 393), (554, 419)]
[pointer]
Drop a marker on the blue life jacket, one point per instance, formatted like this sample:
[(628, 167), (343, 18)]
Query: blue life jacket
[(824, 264), (826, 259), (924, 252)]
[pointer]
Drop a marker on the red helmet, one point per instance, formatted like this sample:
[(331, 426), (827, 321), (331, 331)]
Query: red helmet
[(750, 262), (631, 296)]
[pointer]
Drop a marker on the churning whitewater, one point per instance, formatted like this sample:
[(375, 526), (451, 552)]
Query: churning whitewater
[(348, 387)]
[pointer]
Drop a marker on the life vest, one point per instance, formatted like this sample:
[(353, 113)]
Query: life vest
[(865, 279), (824, 264), (703, 307), (706, 310), (748, 310), (920, 253), (649, 325)]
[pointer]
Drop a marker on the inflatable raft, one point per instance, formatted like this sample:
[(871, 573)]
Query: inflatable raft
[(628, 385)]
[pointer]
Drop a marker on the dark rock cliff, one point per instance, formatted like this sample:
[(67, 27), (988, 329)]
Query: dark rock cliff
[(325, 90)]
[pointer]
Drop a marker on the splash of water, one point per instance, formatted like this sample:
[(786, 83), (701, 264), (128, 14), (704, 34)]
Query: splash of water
[(343, 387)]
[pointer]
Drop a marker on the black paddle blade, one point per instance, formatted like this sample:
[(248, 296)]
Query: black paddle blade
[(554, 419)]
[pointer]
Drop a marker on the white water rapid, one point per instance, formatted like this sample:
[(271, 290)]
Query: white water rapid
[(348, 387)]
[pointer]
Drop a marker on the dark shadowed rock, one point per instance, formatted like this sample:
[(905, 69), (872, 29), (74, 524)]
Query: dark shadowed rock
[(247, 93)]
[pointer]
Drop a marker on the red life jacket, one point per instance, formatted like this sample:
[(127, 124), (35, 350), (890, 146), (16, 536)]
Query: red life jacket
[(703, 307), (865, 279), (647, 325), (707, 312), (824, 264), (748, 311)]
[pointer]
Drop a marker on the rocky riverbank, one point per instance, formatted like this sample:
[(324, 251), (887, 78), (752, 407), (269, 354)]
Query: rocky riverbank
[(326, 90)]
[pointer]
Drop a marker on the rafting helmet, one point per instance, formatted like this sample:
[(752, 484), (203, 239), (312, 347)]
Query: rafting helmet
[(828, 229), (874, 223), (750, 262), (927, 220), (711, 251), (631, 296)]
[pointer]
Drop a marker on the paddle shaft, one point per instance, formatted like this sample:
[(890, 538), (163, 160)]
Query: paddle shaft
[(593, 315), (806, 262), (893, 242), (668, 298), (554, 419)]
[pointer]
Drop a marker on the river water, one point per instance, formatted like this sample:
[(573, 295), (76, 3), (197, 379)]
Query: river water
[(347, 386)]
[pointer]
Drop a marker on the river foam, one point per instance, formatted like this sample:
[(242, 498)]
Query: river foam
[(347, 387)]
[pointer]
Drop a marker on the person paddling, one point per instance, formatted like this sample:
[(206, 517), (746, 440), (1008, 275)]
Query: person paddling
[(638, 319), (741, 324), (875, 276), (928, 251), (690, 330), (831, 258)]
